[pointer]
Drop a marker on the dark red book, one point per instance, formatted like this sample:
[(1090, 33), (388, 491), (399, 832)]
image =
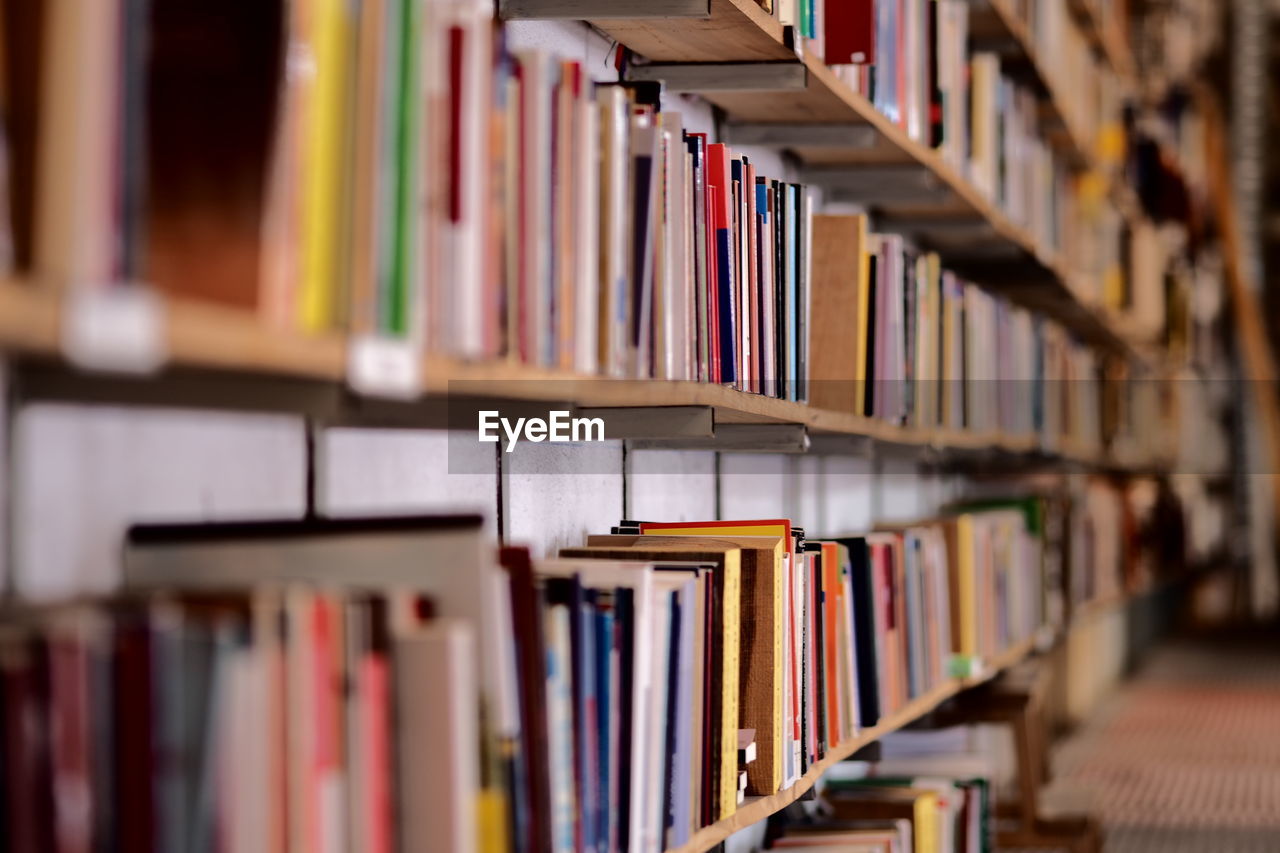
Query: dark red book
[(134, 728), (711, 206), (849, 36), (28, 787)]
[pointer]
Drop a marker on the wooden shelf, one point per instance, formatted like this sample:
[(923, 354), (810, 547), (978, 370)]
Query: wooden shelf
[(195, 334), (205, 338), (757, 809), (735, 31)]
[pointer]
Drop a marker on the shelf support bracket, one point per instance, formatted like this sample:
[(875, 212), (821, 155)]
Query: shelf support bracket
[(654, 422), (879, 183), (741, 438), (600, 10), (861, 136), (723, 76)]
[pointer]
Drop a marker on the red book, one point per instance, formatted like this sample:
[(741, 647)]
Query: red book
[(849, 35), (70, 741), (326, 749), (720, 245), (375, 715)]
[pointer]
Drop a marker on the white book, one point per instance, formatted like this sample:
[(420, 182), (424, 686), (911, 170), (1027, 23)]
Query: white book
[(536, 284), (689, 276), (587, 275), (615, 229), (463, 247), (655, 794), (437, 756), (560, 727), (679, 295)]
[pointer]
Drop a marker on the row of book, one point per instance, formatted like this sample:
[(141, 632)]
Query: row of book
[(985, 125), (412, 180), (394, 683), (896, 337), (564, 223), (897, 814)]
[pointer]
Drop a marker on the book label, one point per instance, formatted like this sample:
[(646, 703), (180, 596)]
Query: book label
[(379, 366), (118, 328)]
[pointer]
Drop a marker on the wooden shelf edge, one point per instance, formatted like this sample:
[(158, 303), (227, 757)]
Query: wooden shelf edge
[(1104, 39), (760, 808), (196, 334), (210, 337)]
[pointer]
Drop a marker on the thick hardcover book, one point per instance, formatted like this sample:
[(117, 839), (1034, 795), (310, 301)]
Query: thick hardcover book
[(849, 37)]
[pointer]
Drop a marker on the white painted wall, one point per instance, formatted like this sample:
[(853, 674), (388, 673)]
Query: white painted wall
[(83, 474), (554, 495), (671, 485), (364, 472)]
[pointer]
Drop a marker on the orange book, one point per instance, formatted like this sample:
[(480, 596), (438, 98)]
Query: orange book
[(831, 629)]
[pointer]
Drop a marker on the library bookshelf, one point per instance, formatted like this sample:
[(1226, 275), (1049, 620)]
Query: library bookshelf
[(773, 92), (758, 808), (199, 337), (1106, 38), (1001, 24)]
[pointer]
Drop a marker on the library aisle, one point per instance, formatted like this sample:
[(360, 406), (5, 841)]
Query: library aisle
[(1185, 757)]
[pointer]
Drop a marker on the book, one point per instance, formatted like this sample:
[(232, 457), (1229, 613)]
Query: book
[(436, 759), (760, 698), (849, 33), (720, 793)]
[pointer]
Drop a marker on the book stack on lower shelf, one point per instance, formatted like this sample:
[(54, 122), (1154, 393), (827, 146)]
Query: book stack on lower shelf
[(383, 683)]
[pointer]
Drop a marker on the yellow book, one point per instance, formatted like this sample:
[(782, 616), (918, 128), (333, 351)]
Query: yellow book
[(329, 32), (760, 680), (926, 823), (491, 821), (724, 671)]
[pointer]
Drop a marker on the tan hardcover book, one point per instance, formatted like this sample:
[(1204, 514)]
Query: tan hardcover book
[(75, 223), (761, 675), (837, 325)]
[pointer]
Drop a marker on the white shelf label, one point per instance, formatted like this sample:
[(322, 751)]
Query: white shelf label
[(385, 367), (116, 328)]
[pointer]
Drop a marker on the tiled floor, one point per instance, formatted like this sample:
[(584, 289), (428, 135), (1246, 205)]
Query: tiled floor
[(1186, 757)]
